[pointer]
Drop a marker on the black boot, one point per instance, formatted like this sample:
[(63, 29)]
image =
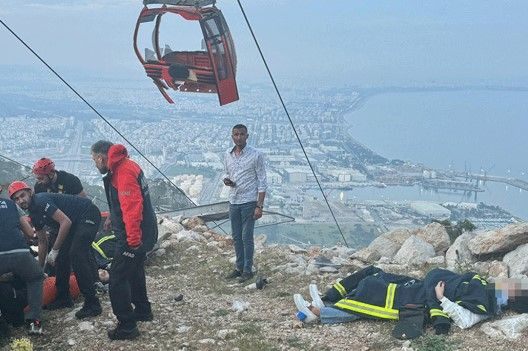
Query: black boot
[(60, 303), (89, 309), (120, 333)]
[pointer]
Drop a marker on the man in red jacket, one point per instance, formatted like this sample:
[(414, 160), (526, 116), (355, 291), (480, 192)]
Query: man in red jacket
[(134, 223)]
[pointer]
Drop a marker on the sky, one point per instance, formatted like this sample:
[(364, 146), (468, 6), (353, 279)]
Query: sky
[(347, 42)]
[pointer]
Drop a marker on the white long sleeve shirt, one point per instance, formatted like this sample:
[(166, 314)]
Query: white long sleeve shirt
[(248, 172), (462, 317)]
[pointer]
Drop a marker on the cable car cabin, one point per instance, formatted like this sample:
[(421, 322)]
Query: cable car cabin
[(211, 71)]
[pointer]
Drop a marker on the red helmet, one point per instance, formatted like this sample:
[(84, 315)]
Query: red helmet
[(16, 186), (44, 166)]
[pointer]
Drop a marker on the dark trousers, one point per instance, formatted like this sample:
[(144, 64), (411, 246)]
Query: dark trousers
[(127, 287), (242, 227), (76, 253), (24, 265)]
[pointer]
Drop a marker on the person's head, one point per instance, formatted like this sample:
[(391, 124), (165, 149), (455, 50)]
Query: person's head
[(516, 291), (20, 193), (44, 171), (239, 134), (100, 155)]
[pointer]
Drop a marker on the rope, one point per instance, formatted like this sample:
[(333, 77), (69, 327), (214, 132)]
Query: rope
[(289, 118)]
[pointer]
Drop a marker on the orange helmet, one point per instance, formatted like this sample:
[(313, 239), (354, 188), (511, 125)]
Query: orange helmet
[(44, 166), (16, 186)]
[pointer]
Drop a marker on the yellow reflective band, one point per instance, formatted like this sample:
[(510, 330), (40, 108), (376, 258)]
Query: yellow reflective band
[(96, 245), (98, 249), (340, 288), (367, 309), (482, 308), (435, 312), (389, 299), (483, 281)]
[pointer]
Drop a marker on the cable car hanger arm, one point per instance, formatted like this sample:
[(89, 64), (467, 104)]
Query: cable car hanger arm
[(196, 3)]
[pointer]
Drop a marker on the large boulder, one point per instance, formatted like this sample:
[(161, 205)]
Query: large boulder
[(414, 251), (493, 269), (366, 255), (436, 235), (458, 254), (507, 328), (499, 241), (384, 246), (399, 236), (517, 261)]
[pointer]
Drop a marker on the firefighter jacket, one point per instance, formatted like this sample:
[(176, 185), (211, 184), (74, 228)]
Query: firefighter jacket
[(132, 215), (373, 293)]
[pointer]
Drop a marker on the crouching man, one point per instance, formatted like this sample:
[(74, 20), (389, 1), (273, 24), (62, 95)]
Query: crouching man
[(16, 258), (76, 220)]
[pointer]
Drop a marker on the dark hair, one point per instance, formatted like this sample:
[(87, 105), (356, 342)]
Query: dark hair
[(240, 126), (101, 147)]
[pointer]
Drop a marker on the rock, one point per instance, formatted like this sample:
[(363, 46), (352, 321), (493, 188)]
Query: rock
[(499, 241), (437, 261), (328, 269), (494, 269), (296, 249), (171, 225), (206, 341), (188, 235), (399, 236), (297, 324), (200, 229), (224, 333), (251, 286), (414, 251), (384, 246), (178, 297), (507, 328), (190, 223), (322, 261), (260, 240), (459, 255), (239, 306), (160, 252), (86, 326), (517, 261), (367, 255), (71, 342), (183, 329), (436, 235)]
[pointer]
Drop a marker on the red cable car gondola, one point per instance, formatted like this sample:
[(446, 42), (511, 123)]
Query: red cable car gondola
[(211, 71)]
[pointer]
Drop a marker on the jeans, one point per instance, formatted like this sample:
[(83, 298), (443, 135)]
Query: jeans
[(76, 252), (242, 226), (25, 266), (330, 315), (127, 286)]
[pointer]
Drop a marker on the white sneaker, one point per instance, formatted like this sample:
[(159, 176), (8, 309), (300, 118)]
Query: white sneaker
[(302, 306), (316, 299)]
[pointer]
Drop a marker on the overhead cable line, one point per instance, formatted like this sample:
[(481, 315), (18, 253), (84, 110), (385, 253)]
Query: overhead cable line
[(289, 118), (18, 163), (97, 112)]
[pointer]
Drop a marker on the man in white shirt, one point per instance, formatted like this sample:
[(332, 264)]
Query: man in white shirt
[(245, 174)]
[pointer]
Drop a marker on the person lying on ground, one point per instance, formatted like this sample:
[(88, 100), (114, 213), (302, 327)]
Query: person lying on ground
[(466, 299)]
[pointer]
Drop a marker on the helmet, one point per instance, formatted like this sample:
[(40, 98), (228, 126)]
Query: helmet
[(16, 186), (44, 166)]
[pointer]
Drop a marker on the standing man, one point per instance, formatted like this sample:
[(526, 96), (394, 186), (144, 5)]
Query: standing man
[(15, 257), (76, 220), (136, 230), (53, 181), (246, 176)]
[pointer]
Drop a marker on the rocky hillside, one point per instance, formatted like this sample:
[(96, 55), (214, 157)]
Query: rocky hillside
[(216, 314)]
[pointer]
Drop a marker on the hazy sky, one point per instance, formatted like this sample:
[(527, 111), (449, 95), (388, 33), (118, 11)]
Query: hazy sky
[(354, 42)]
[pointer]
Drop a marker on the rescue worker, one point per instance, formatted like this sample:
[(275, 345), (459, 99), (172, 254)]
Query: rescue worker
[(76, 219), (371, 293), (16, 258), (53, 181), (135, 227)]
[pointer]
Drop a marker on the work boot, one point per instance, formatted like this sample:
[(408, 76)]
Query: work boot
[(143, 317), (120, 333), (60, 303), (245, 276), (234, 274), (34, 327), (91, 309)]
